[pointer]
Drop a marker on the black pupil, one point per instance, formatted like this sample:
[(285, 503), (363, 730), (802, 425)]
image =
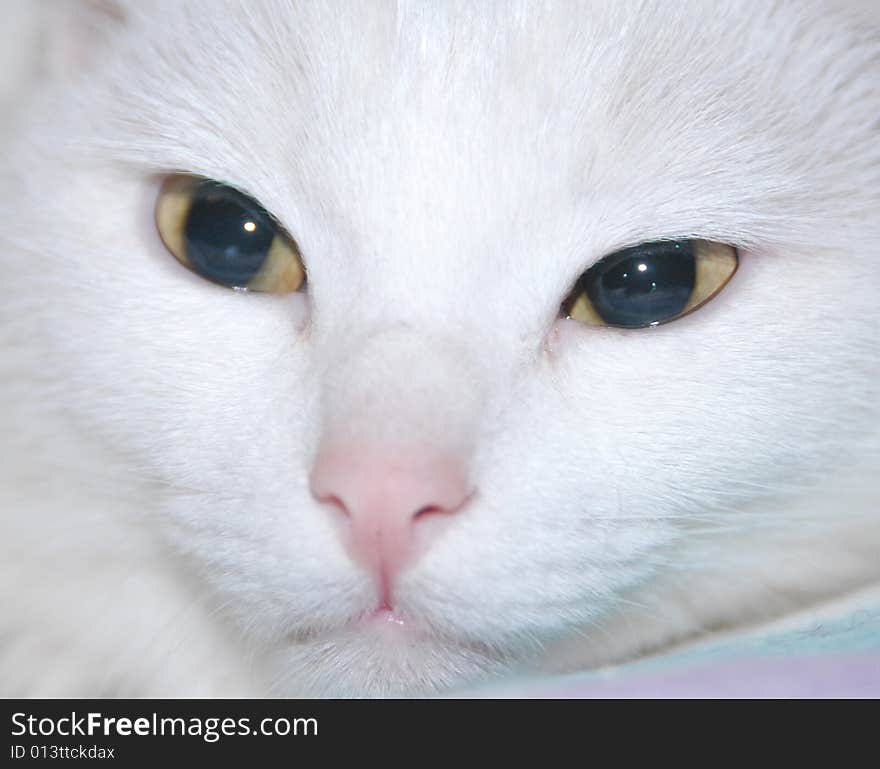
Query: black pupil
[(228, 235), (642, 285)]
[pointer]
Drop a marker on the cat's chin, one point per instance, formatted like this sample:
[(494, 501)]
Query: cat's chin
[(381, 654)]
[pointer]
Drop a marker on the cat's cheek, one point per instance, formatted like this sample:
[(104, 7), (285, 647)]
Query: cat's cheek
[(295, 309), (300, 309)]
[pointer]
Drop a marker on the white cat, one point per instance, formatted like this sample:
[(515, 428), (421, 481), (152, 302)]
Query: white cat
[(412, 470)]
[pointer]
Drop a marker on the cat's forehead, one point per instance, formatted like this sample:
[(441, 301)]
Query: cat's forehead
[(439, 127)]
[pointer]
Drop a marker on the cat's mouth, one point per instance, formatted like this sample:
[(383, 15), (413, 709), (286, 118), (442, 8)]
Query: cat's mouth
[(389, 652), (389, 626), (384, 620), (386, 613), (386, 625)]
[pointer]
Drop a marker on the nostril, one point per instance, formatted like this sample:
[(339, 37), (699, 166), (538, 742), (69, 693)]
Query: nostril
[(438, 510), (335, 502), (428, 510), (456, 504)]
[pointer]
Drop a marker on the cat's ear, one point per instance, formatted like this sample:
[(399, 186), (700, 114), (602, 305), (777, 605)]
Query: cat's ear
[(75, 32)]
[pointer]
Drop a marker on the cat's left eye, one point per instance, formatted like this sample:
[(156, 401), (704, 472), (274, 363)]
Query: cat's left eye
[(226, 236), (651, 283)]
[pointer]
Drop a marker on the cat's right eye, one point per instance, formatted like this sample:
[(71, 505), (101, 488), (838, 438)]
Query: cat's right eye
[(651, 283), (226, 236)]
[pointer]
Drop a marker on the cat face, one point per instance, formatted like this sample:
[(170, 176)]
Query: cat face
[(416, 471)]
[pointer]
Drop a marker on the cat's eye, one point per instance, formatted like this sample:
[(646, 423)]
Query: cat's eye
[(651, 283), (227, 236)]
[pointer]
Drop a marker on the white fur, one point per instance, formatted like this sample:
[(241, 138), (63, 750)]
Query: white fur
[(448, 170)]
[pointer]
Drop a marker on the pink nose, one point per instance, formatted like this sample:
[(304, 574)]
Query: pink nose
[(395, 504)]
